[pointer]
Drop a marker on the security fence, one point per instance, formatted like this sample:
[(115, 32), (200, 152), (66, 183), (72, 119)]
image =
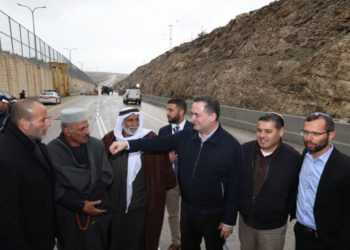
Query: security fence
[(16, 39)]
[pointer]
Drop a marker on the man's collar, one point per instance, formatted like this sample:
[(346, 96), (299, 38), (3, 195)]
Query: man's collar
[(205, 138), (181, 125)]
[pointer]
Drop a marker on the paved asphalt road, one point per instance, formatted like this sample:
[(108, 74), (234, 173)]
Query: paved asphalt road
[(103, 111)]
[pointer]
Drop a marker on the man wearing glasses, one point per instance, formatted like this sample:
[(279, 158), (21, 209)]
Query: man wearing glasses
[(323, 202)]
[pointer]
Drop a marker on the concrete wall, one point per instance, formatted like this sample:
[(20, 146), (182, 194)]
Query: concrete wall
[(246, 119), (17, 73)]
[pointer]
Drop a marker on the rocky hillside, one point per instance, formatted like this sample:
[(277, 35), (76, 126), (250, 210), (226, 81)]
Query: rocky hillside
[(292, 56)]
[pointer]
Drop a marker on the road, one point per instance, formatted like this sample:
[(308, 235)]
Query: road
[(103, 111)]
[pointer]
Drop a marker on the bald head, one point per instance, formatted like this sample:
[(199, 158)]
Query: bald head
[(31, 118), (22, 109)]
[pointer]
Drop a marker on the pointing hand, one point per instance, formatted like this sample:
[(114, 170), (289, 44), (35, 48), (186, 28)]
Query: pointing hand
[(117, 146)]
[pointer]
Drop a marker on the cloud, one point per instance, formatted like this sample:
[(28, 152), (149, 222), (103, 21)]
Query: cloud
[(121, 35)]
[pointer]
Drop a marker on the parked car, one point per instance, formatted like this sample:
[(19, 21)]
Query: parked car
[(132, 96), (85, 92), (10, 97), (49, 97)]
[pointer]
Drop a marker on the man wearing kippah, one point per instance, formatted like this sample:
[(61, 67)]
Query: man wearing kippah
[(4, 112), (268, 193), (140, 183), (323, 201), (83, 175)]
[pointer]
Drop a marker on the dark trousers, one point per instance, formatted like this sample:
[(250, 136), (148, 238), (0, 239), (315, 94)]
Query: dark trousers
[(306, 238), (195, 226), (128, 230)]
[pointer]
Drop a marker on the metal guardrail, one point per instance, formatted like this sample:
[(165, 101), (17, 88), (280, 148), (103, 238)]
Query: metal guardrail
[(16, 39), (246, 119)]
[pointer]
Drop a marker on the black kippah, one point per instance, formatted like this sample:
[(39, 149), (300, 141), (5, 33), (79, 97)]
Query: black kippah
[(124, 112)]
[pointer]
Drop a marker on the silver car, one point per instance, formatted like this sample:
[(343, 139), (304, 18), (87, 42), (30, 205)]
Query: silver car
[(49, 97)]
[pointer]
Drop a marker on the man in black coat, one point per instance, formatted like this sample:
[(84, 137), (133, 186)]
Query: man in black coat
[(176, 113), (323, 203), (26, 181), (271, 179)]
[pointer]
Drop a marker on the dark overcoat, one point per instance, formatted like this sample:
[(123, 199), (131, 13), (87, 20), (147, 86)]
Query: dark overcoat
[(332, 203), (26, 194), (159, 178)]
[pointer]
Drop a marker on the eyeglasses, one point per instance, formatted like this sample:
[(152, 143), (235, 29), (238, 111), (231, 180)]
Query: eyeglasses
[(312, 133)]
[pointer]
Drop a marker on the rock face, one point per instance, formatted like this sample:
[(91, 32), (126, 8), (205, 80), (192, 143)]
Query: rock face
[(292, 57)]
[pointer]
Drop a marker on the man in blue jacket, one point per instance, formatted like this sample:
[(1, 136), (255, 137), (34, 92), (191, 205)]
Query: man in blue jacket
[(209, 175)]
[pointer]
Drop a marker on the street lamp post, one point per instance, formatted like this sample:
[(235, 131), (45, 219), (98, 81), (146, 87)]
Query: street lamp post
[(32, 10), (70, 53)]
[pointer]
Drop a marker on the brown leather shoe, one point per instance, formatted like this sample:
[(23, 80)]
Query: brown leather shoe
[(173, 247)]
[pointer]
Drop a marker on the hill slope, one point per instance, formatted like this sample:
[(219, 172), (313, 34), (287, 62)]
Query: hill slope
[(292, 56)]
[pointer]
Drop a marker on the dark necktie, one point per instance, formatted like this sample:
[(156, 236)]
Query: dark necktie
[(176, 166)]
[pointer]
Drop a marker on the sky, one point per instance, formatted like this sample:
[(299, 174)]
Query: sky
[(120, 35)]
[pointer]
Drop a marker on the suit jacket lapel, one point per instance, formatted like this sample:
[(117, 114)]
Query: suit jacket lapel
[(325, 175), (43, 159)]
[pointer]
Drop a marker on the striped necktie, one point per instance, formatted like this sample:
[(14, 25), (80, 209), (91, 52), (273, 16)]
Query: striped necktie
[(176, 166)]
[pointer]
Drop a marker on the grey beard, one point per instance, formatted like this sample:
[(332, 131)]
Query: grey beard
[(130, 130)]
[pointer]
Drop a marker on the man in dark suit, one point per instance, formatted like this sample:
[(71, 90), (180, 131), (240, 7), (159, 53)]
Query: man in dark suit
[(175, 111), (323, 203), (26, 181)]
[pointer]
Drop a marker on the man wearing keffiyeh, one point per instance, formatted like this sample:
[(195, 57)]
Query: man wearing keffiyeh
[(139, 187)]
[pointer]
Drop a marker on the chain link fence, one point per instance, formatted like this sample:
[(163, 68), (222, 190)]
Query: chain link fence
[(16, 39)]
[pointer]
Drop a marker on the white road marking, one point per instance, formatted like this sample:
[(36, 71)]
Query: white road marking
[(100, 124)]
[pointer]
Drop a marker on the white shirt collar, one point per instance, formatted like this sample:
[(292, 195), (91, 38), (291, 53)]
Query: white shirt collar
[(181, 125)]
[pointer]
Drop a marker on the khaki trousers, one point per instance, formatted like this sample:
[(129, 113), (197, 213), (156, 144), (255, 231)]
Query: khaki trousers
[(173, 207), (254, 239)]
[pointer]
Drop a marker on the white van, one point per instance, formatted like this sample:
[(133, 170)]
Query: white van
[(132, 96)]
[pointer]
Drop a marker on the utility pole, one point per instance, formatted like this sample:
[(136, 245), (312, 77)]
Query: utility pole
[(32, 10), (170, 36)]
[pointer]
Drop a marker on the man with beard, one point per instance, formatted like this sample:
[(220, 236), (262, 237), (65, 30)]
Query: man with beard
[(26, 181), (271, 178), (175, 112), (323, 202), (83, 175), (138, 192)]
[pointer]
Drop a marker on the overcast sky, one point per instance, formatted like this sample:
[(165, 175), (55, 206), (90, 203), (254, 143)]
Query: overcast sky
[(121, 35)]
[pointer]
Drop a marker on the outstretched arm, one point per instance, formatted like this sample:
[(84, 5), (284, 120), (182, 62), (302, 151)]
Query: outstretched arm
[(118, 146)]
